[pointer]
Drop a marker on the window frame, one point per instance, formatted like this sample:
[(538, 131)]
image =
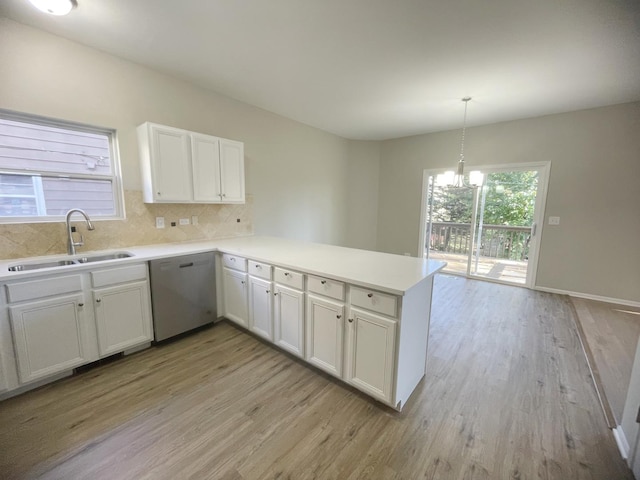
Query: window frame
[(115, 177)]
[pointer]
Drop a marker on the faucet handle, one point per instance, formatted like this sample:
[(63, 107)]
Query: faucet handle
[(79, 243)]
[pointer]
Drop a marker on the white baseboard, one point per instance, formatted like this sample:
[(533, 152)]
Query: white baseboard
[(618, 301), (621, 440)]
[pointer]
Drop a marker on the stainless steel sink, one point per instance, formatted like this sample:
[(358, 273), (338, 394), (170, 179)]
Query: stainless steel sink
[(74, 261), (102, 258), (36, 266)]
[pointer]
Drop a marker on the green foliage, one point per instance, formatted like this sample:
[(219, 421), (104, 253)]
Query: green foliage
[(509, 200)]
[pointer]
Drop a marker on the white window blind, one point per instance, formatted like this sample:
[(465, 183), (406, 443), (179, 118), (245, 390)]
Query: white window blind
[(48, 167)]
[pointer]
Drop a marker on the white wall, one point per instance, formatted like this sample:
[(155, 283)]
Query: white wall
[(594, 188), (362, 200), (296, 174)]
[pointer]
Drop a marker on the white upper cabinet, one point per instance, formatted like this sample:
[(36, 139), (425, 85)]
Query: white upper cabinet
[(179, 166), (205, 162), (168, 173), (232, 171)]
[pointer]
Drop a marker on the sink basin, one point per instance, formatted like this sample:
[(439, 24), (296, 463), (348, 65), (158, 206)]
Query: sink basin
[(63, 263), (36, 266), (102, 258)]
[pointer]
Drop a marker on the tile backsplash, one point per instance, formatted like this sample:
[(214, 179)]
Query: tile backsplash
[(214, 221)]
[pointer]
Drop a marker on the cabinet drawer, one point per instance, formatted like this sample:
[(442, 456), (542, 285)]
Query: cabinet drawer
[(375, 301), (235, 262), (18, 292), (289, 278), (326, 287), (261, 270), (112, 276)]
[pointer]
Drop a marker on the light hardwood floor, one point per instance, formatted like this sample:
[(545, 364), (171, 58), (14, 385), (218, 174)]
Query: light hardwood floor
[(611, 332), (507, 396)]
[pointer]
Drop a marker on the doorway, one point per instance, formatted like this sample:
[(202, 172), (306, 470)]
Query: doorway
[(490, 231)]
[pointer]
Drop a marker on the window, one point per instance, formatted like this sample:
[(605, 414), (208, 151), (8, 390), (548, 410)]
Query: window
[(48, 167)]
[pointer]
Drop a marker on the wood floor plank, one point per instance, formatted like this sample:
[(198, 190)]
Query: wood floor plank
[(507, 395), (611, 335)]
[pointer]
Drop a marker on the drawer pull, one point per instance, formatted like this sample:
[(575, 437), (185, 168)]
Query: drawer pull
[(287, 274), (338, 317), (81, 304), (267, 291), (258, 265), (370, 295), (323, 282), (98, 300), (351, 320)]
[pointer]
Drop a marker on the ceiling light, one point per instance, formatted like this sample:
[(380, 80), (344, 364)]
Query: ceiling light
[(54, 7), (456, 179)]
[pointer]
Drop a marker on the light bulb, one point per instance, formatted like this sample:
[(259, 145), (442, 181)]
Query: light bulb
[(54, 7)]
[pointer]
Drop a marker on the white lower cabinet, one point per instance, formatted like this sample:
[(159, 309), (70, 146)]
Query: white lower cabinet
[(234, 284), (370, 353), (289, 319), (123, 317), (260, 307), (50, 336), (325, 334), (55, 327)]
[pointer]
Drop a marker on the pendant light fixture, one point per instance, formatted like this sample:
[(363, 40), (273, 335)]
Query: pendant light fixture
[(54, 7), (456, 179)]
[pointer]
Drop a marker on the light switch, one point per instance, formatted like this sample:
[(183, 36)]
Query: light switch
[(159, 222), (554, 220)]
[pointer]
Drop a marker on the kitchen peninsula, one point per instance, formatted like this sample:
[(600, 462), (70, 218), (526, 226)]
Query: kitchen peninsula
[(358, 315)]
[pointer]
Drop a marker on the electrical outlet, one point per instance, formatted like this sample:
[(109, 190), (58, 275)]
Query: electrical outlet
[(184, 221), (554, 220), (194, 219), (159, 222)]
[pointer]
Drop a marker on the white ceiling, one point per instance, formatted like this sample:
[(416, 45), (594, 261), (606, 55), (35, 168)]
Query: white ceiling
[(375, 69)]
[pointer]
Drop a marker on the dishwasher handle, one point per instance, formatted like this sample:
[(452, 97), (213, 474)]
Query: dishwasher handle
[(185, 265)]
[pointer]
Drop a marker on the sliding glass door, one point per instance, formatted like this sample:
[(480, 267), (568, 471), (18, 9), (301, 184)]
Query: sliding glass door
[(489, 231)]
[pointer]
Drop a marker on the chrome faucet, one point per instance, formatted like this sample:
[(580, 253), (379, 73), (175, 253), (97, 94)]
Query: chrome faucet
[(71, 245)]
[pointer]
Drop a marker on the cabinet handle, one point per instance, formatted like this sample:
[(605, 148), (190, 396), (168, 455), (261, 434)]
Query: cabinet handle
[(158, 193), (370, 295), (268, 291), (275, 294), (223, 195), (81, 304), (242, 281), (323, 282), (287, 274), (338, 317), (98, 300), (258, 265), (232, 259), (351, 320)]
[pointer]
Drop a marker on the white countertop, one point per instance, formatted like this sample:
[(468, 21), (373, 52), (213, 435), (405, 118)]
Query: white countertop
[(382, 271)]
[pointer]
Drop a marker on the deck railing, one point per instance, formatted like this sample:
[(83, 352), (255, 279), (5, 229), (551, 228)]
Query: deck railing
[(496, 241)]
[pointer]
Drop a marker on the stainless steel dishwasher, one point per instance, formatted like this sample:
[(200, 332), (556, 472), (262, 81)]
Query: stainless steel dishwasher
[(183, 293)]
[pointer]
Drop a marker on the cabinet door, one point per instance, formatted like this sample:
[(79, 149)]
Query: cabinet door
[(170, 165), (260, 307), (49, 336), (123, 317), (232, 171), (289, 320), (371, 342), (234, 285), (324, 331), (205, 161)]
